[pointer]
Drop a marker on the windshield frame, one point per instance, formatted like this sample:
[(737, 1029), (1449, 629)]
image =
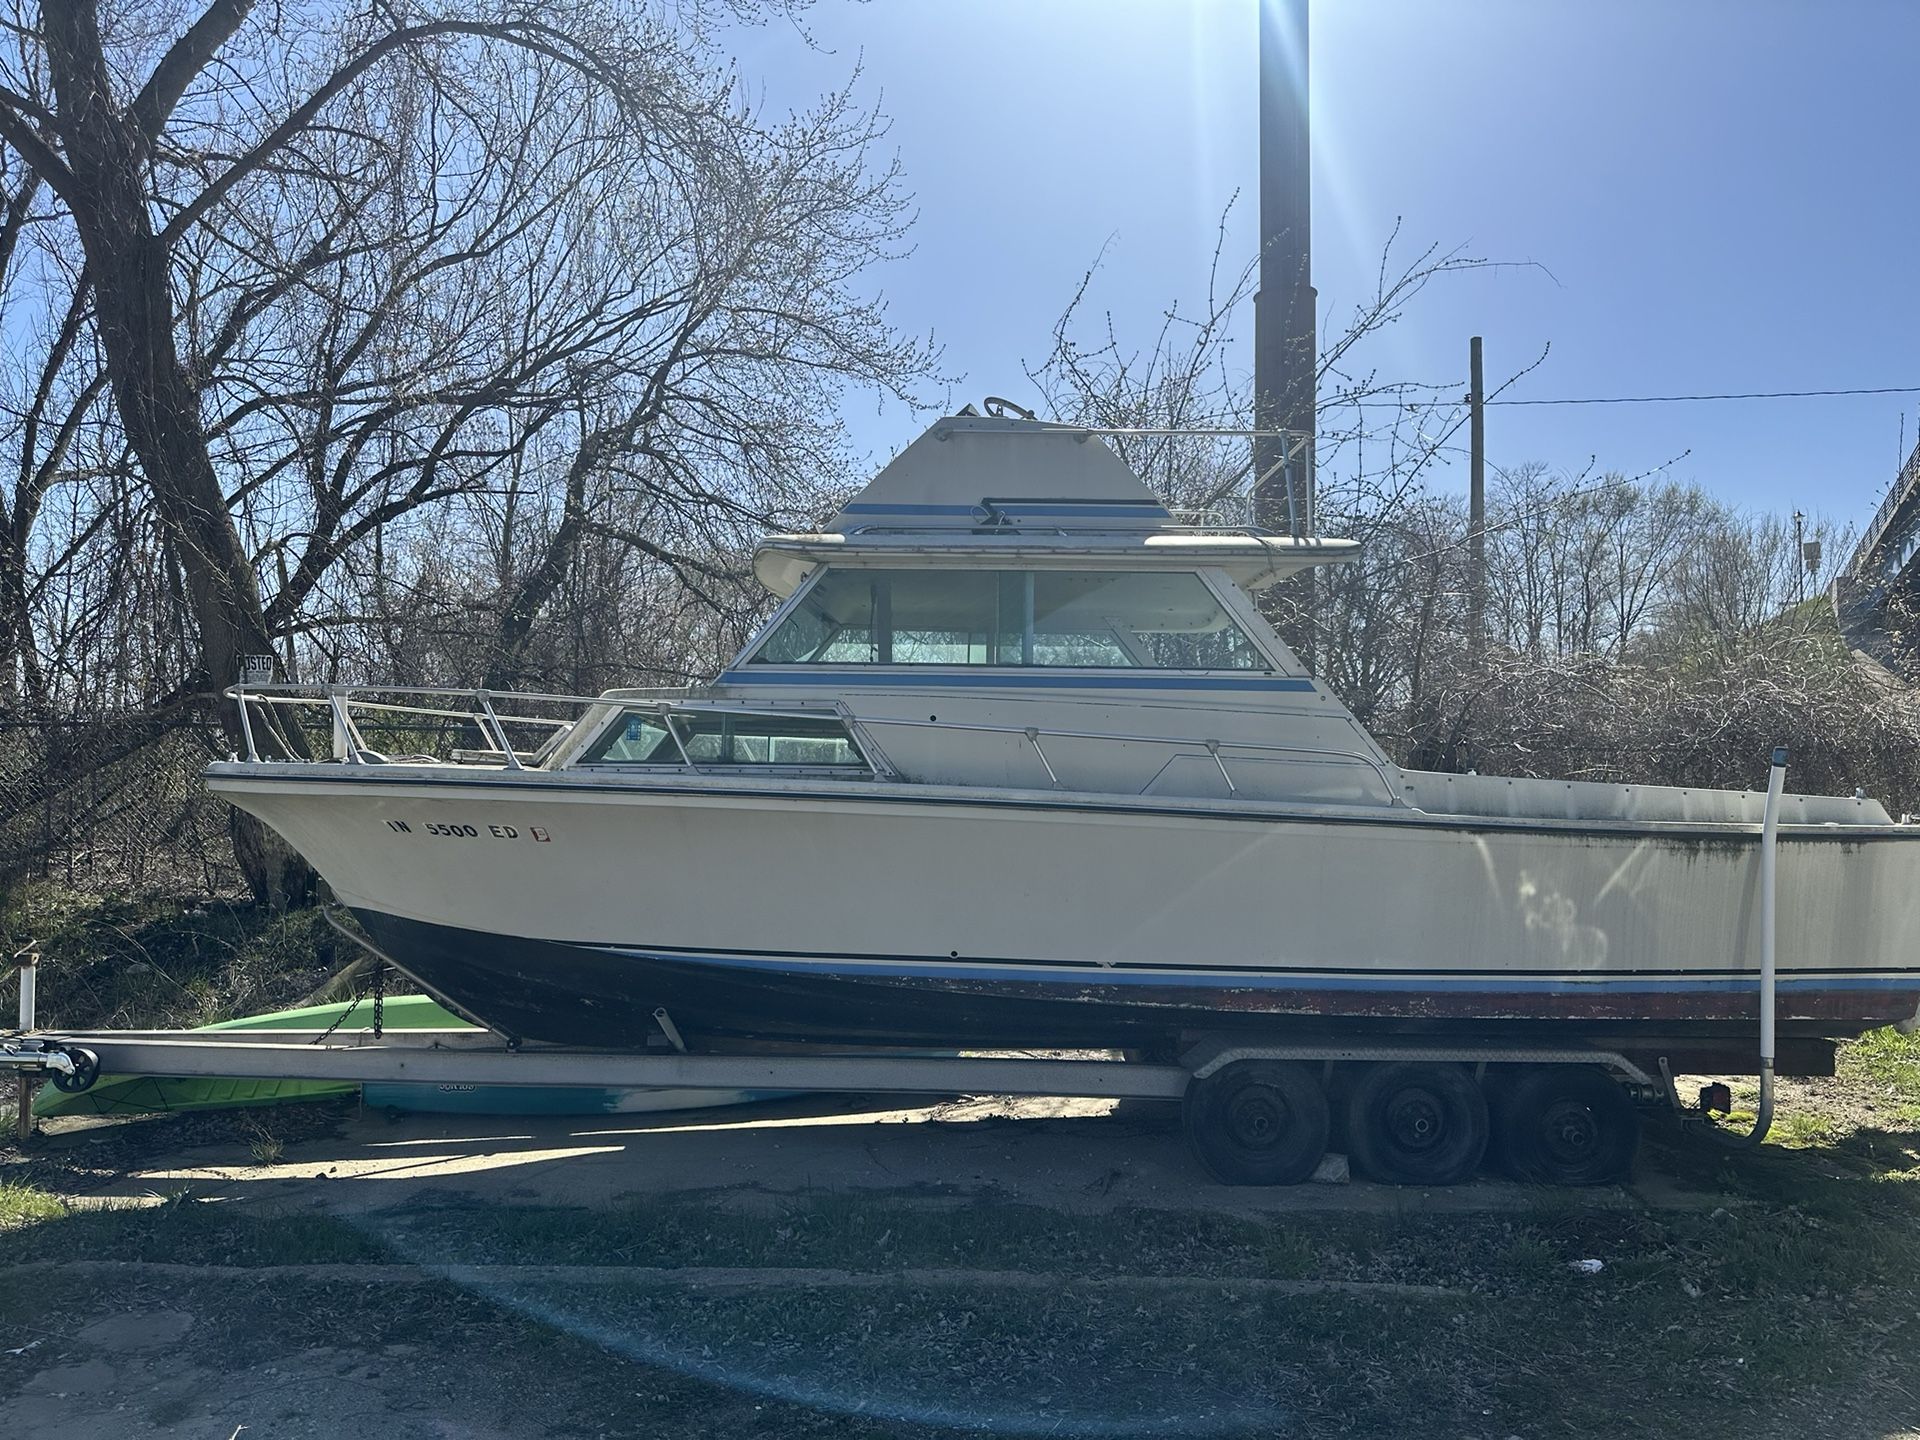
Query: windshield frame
[(1275, 657)]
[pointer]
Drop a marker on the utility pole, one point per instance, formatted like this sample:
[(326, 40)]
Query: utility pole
[(1800, 555), (1477, 507), (1285, 332)]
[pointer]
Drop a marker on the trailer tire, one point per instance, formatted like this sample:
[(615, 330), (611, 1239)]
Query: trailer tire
[(86, 1070), (1257, 1122), (1567, 1125), (1410, 1124)]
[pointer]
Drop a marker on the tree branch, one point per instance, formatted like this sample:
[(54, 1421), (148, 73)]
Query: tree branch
[(41, 156), (187, 58), (525, 33)]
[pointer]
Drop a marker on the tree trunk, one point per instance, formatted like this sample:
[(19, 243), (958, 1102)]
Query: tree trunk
[(157, 401)]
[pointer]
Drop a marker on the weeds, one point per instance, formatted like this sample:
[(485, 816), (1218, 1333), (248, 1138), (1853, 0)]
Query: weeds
[(22, 1205), (161, 962)]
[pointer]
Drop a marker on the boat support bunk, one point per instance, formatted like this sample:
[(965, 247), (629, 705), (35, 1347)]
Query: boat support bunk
[(1253, 1112)]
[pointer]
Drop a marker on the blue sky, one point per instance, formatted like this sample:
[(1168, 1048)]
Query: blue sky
[(1716, 190)]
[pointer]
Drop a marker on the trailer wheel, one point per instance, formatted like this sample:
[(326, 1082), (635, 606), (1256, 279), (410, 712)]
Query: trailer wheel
[(1567, 1125), (1257, 1122), (1416, 1124), (86, 1070)]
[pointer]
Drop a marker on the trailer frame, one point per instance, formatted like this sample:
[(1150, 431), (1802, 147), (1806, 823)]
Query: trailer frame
[(72, 1060)]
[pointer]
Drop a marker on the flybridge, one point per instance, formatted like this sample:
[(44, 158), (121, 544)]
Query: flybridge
[(993, 471), (976, 470), (994, 492)]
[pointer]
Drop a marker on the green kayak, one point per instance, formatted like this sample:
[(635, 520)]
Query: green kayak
[(144, 1094)]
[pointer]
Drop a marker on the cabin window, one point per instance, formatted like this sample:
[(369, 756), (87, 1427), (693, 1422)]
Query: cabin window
[(1094, 618), (726, 738)]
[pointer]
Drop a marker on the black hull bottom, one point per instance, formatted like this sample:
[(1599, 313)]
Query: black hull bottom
[(586, 995)]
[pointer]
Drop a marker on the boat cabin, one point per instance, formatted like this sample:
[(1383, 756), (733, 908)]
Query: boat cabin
[(1007, 605)]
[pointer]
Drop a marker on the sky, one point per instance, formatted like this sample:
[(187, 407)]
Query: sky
[(1711, 196)]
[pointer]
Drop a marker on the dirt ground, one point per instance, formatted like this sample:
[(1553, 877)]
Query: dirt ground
[(1079, 1155), (846, 1268)]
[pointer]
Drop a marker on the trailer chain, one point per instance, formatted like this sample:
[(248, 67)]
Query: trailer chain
[(379, 993), (339, 1019)]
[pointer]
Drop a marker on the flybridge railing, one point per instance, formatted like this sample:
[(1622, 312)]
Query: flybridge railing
[(1295, 449)]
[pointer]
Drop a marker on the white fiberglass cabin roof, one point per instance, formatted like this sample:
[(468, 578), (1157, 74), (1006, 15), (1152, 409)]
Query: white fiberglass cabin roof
[(987, 491)]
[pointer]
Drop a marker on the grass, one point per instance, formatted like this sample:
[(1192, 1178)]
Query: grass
[(23, 1205), (1886, 1063), (185, 1230), (164, 962)]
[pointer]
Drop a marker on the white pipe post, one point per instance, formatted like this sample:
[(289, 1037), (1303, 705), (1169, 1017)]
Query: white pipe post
[(28, 964), (342, 733), (1769, 929), (1769, 932)]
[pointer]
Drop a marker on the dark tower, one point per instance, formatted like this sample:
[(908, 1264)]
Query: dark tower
[(1285, 333)]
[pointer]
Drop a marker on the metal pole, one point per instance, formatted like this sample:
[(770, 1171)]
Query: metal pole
[(1477, 508), (499, 731), (27, 962), (342, 735), (27, 965), (1769, 934), (1769, 930), (1800, 555)]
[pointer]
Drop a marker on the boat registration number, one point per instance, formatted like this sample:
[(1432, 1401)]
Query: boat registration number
[(454, 831)]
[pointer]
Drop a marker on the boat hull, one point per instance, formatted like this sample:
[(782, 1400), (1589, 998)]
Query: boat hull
[(602, 996), (561, 908)]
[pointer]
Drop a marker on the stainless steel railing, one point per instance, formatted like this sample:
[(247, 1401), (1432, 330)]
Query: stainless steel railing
[(343, 702), (1219, 751), (483, 710), (347, 705)]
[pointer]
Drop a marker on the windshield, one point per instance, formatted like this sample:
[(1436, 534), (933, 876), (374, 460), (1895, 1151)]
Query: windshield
[(1115, 619)]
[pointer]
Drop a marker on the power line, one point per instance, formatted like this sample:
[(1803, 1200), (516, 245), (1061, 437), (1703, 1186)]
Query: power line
[(1740, 395)]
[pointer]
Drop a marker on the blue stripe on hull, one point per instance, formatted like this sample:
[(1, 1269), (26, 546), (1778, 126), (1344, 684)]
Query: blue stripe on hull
[(1014, 680), (1130, 509), (911, 968)]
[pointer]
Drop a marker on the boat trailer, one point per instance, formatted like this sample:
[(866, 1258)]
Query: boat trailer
[(467, 1057), (1241, 1097)]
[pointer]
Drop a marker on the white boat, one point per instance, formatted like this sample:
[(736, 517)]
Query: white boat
[(1017, 761)]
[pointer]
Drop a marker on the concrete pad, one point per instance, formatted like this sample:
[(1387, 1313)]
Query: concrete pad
[(1076, 1155)]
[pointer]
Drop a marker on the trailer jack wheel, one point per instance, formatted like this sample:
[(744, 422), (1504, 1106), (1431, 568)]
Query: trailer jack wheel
[(1257, 1122), (1413, 1124), (86, 1069), (1567, 1125)]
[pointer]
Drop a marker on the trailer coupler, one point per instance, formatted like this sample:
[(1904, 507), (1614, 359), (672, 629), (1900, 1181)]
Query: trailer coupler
[(71, 1068)]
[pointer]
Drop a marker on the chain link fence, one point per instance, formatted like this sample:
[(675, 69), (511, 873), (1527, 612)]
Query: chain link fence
[(142, 822)]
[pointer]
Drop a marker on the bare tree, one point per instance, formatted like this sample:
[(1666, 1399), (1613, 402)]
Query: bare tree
[(1641, 630), (300, 279)]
